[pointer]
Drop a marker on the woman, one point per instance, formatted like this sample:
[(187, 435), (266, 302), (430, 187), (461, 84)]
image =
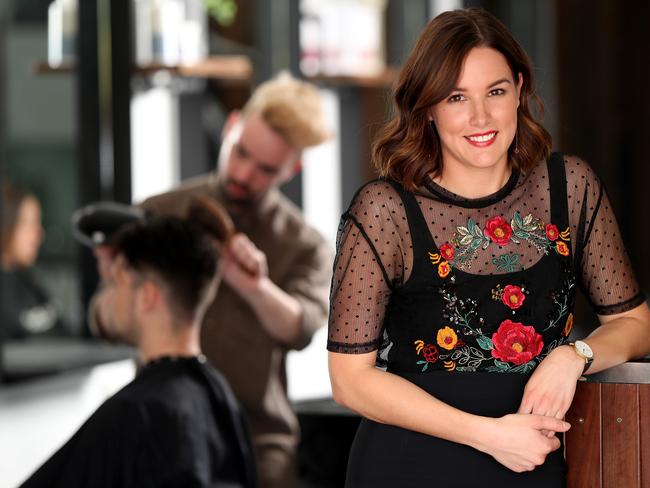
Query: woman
[(26, 309), (457, 271)]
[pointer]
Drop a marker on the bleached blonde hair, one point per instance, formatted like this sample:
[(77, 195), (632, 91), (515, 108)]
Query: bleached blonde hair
[(291, 107)]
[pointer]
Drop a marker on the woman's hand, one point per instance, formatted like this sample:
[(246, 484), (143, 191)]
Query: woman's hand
[(551, 387), (519, 443)]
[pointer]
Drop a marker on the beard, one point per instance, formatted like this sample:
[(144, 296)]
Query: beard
[(238, 194)]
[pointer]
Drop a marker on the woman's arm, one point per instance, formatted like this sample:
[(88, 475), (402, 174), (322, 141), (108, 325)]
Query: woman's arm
[(516, 441), (619, 338)]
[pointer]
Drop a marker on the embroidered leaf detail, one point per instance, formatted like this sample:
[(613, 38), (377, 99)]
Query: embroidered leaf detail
[(485, 343), (528, 219), (466, 240), (470, 226), (476, 243), (517, 220), (486, 243), (507, 262), (462, 230), (501, 365), (478, 231), (524, 368)]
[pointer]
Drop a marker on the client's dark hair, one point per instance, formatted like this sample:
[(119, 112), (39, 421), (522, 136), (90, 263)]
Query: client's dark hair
[(180, 252)]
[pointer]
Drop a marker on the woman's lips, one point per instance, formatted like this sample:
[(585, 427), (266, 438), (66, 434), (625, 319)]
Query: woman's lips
[(482, 140)]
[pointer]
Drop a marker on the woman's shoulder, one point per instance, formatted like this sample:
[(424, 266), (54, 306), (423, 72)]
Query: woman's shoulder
[(375, 194)]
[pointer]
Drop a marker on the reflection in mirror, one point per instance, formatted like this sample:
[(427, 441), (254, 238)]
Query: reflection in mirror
[(42, 322)]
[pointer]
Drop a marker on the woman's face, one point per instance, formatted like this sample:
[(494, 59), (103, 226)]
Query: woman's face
[(25, 240), (478, 120)]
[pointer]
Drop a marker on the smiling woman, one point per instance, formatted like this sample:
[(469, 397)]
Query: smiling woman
[(457, 273)]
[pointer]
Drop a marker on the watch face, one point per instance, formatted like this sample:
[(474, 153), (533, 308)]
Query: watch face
[(584, 349)]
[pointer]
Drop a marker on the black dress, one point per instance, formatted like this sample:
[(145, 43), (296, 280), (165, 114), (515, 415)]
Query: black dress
[(464, 298), (176, 425)]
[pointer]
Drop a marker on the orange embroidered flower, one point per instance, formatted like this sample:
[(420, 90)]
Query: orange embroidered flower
[(513, 297), (568, 326), (498, 230), (443, 269), (562, 248), (447, 251), (447, 338), (552, 233)]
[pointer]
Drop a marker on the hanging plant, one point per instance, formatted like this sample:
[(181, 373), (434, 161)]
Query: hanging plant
[(223, 11)]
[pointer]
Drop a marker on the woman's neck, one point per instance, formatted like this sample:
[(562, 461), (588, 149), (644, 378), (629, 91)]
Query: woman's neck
[(473, 182)]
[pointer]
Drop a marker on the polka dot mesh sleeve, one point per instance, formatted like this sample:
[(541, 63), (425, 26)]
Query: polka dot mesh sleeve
[(373, 255), (603, 266)]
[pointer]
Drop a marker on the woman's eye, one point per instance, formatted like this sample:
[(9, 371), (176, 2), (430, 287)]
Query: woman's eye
[(497, 91), (455, 98)]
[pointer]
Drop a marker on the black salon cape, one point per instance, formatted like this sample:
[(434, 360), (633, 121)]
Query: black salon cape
[(177, 424)]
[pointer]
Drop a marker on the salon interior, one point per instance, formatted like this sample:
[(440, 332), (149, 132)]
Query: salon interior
[(101, 100)]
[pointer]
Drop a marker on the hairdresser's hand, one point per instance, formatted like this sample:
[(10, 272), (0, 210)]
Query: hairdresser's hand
[(243, 265), (518, 442), (551, 388), (104, 255)]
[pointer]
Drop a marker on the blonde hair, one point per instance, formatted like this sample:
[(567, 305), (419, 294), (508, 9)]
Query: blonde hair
[(291, 107)]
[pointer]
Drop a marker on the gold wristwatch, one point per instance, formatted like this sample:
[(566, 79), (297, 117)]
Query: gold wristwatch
[(583, 351)]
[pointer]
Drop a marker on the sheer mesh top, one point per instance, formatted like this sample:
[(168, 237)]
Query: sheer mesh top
[(375, 249)]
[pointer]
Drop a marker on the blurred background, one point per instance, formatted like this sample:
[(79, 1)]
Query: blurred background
[(122, 99)]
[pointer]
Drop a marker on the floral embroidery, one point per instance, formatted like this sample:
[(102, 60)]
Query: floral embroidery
[(516, 343), (449, 365), (562, 248), (443, 269), (467, 240), (508, 262), (568, 326), (561, 299), (447, 251), (447, 338), (551, 232), (513, 297), (429, 352), (498, 230)]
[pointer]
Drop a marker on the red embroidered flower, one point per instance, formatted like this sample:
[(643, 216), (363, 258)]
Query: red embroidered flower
[(499, 230), (562, 248), (516, 343), (552, 233), (430, 353), (513, 297), (443, 269), (447, 251)]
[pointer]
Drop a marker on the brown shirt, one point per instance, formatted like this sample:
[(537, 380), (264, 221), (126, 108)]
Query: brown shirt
[(232, 337)]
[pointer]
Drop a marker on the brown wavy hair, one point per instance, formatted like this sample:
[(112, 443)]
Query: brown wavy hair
[(408, 148)]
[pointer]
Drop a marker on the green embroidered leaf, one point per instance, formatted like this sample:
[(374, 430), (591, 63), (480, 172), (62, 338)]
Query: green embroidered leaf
[(466, 240), (470, 225), (524, 368), (518, 220), (485, 343), (500, 365), (425, 367), (478, 231), (421, 362), (476, 243), (521, 234)]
